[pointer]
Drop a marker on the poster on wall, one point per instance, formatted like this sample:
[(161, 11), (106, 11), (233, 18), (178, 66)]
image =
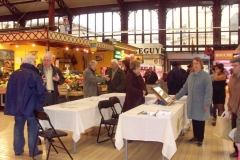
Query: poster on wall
[(6, 60), (33, 53), (152, 61)]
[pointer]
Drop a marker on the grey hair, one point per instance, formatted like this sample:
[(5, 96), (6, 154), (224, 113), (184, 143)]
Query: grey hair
[(29, 59), (48, 53), (92, 62), (114, 61)]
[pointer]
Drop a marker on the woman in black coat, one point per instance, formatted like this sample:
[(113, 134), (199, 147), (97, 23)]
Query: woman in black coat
[(135, 87)]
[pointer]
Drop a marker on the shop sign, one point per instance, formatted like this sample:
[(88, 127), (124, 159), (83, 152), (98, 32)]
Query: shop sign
[(223, 55), (149, 51), (148, 48)]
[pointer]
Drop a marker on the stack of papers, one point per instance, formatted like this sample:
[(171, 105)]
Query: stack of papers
[(164, 113)]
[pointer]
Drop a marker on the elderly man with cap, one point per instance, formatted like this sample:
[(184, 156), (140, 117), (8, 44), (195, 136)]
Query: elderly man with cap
[(234, 100)]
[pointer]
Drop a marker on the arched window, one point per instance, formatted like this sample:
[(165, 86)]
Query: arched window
[(143, 26)]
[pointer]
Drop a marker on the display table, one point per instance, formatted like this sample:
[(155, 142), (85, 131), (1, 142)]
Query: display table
[(165, 129), (121, 96), (75, 116)]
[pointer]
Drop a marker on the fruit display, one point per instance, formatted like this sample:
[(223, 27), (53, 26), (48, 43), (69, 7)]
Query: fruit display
[(74, 82)]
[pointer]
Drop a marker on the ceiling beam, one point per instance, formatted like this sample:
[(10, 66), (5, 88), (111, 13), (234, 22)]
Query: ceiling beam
[(64, 8), (11, 8), (120, 5), (23, 2)]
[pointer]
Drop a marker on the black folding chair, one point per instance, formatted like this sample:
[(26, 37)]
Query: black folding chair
[(49, 134), (108, 123), (115, 100)]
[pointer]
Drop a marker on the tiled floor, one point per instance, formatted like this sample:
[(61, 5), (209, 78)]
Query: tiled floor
[(88, 149)]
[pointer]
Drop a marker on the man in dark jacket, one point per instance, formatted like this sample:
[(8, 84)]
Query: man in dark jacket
[(152, 76), (25, 93), (175, 77), (117, 78), (52, 77)]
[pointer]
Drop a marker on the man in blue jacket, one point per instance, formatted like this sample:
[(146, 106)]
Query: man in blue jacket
[(25, 93)]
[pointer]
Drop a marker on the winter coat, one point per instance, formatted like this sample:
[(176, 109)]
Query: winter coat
[(90, 80), (25, 92), (152, 78), (134, 91), (117, 84), (174, 82), (55, 84), (199, 89)]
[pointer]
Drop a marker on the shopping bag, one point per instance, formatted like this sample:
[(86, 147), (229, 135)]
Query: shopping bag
[(232, 134), (223, 127)]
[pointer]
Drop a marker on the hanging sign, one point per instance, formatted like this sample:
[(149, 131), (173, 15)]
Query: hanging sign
[(93, 45)]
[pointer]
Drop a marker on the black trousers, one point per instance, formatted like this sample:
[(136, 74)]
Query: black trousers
[(198, 129), (49, 100), (234, 125)]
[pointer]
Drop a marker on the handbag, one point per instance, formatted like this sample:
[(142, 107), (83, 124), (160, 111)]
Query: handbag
[(223, 127)]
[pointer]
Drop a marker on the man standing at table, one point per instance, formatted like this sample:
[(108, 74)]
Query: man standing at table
[(52, 77), (90, 80), (234, 96), (25, 93), (117, 80)]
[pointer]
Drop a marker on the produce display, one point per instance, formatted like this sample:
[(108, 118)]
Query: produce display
[(74, 82)]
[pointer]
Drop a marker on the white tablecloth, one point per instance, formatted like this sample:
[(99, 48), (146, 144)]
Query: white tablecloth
[(165, 129), (80, 115), (75, 116), (121, 96)]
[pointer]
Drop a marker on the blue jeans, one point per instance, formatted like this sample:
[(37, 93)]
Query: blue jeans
[(19, 140)]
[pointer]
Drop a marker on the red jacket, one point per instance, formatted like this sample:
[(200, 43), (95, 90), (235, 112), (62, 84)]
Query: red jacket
[(134, 91)]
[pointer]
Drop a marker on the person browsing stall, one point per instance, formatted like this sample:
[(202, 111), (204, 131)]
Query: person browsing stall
[(117, 80), (90, 86), (135, 87), (199, 89)]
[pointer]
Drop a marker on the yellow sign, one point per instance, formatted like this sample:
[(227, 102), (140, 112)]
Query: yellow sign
[(93, 45)]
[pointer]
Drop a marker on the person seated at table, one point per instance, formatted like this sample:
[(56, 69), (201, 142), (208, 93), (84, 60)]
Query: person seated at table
[(135, 87), (90, 87), (117, 78), (199, 89)]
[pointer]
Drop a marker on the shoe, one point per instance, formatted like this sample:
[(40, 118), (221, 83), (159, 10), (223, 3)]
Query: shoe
[(199, 144), (213, 123), (193, 139), (19, 153), (39, 152), (234, 154)]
